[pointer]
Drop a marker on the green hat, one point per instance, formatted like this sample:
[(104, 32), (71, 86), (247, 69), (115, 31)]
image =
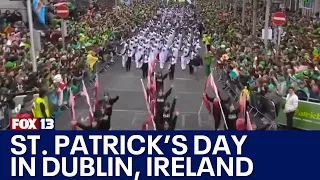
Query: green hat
[(9, 65), (315, 52)]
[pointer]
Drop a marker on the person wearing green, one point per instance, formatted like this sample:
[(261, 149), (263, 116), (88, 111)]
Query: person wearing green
[(303, 74), (206, 38), (207, 59)]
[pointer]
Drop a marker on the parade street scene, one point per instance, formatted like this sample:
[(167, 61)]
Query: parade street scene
[(161, 65)]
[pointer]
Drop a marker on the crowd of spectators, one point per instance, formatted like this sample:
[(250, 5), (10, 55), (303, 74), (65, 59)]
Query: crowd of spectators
[(91, 33), (241, 51), (92, 30)]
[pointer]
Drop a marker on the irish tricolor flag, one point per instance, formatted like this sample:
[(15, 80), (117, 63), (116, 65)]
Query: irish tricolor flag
[(234, 73)]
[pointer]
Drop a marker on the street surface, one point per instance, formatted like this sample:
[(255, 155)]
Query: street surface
[(130, 111)]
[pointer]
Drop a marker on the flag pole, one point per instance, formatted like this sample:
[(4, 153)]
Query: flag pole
[(33, 53), (148, 106)]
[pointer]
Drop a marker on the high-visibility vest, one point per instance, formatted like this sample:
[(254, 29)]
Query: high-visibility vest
[(247, 93), (204, 36), (208, 40), (37, 109)]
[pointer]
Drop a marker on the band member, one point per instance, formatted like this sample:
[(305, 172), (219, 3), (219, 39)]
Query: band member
[(138, 56), (128, 61), (131, 52), (159, 80), (163, 56), (172, 67), (107, 103), (152, 55), (145, 65), (124, 53), (159, 105), (102, 115), (191, 69), (101, 122), (168, 119), (185, 58)]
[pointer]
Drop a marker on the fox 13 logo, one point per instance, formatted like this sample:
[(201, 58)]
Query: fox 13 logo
[(32, 124)]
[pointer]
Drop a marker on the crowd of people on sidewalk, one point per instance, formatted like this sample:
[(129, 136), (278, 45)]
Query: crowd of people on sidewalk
[(241, 53), (91, 35), (297, 64)]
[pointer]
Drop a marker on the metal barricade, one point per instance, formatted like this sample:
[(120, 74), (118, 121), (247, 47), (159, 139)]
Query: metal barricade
[(272, 109), (100, 66), (259, 104), (253, 103), (4, 117)]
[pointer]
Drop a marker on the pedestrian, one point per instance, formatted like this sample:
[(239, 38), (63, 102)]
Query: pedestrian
[(172, 67), (139, 56), (145, 65), (290, 107)]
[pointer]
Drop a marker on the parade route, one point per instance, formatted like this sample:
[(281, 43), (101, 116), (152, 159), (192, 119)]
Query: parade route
[(130, 111)]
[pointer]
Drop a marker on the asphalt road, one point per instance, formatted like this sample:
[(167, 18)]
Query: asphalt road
[(130, 111)]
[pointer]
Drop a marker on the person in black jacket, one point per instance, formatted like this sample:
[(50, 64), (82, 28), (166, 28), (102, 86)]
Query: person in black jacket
[(107, 103), (102, 115), (231, 111), (102, 121), (194, 64), (161, 98), (168, 119), (200, 28), (159, 80)]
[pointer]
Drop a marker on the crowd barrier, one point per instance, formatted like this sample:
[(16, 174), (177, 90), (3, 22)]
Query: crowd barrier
[(55, 103), (259, 105), (6, 112), (4, 119), (306, 117)]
